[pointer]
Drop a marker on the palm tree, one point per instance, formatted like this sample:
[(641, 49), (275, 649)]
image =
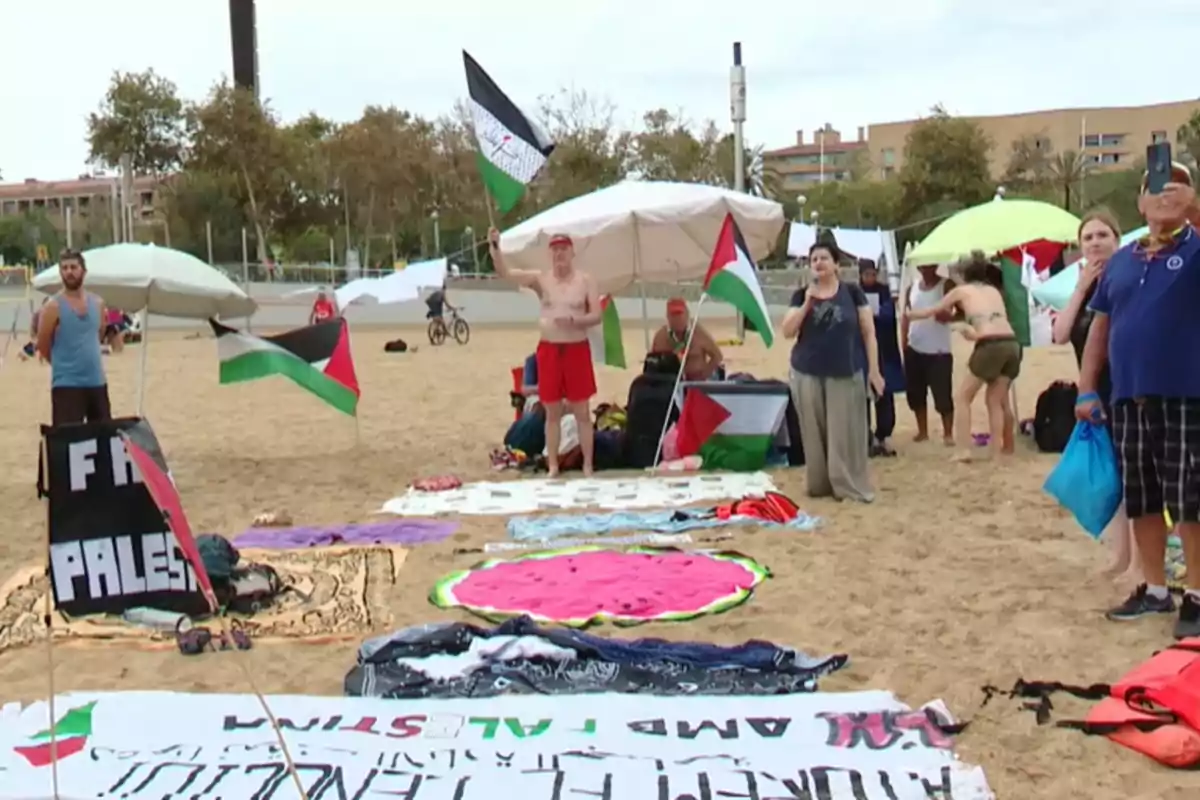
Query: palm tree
[(1066, 171)]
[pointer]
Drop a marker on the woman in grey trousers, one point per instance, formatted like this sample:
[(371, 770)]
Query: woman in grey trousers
[(833, 362)]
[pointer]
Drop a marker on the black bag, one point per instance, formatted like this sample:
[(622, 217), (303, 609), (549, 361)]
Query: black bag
[(1054, 417), (661, 364), (649, 404), (396, 346)]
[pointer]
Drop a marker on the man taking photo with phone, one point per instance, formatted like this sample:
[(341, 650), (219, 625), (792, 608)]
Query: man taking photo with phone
[(1147, 328)]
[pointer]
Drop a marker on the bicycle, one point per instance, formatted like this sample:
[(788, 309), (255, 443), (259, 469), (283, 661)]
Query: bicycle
[(439, 330)]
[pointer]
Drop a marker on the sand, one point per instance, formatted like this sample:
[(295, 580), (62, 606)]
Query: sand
[(957, 576)]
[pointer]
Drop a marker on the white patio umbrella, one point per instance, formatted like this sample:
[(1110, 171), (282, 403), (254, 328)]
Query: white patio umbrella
[(157, 280), (644, 231)]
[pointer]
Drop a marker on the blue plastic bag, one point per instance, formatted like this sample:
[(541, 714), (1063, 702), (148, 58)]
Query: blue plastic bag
[(1086, 480)]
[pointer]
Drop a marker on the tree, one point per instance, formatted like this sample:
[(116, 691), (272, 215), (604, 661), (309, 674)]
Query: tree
[(21, 234), (1188, 137), (590, 153), (1034, 167), (945, 163), (667, 150), (236, 139), (142, 116)]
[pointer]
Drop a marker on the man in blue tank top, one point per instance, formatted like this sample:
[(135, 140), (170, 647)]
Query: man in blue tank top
[(68, 336)]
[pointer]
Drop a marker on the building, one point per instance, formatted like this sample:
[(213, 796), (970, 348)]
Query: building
[(826, 158), (1109, 138), (87, 196)]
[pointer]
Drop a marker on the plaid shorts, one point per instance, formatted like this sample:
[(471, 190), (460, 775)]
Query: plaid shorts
[(1158, 446)]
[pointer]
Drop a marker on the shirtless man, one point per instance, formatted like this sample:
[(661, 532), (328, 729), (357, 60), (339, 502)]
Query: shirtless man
[(995, 362), (700, 361), (570, 304)]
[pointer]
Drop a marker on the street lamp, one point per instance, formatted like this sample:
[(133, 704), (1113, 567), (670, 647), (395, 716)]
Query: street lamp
[(437, 234)]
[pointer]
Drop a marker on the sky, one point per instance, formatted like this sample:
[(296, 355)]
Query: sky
[(848, 63)]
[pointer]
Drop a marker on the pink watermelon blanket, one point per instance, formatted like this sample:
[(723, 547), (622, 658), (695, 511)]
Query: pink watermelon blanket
[(586, 585)]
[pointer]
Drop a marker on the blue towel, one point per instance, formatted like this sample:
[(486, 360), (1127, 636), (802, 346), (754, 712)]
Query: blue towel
[(559, 526)]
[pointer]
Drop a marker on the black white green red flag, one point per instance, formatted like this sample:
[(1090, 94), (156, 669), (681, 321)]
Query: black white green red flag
[(733, 278), (512, 147), (316, 357)]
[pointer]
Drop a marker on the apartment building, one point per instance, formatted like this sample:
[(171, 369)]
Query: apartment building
[(827, 157), (1109, 138), (81, 197)]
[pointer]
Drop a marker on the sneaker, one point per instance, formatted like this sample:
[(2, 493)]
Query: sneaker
[(1142, 604), (1189, 617)]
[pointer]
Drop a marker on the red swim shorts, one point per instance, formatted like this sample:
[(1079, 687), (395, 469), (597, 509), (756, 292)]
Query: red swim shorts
[(565, 372)]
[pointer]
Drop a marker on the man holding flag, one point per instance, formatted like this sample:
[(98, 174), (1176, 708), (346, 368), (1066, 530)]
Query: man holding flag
[(570, 304)]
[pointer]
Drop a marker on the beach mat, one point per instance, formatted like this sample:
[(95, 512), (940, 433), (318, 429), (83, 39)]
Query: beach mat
[(392, 532), (526, 496), (338, 592)]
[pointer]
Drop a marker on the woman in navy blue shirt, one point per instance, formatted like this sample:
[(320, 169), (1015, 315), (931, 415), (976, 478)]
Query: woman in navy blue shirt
[(835, 346)]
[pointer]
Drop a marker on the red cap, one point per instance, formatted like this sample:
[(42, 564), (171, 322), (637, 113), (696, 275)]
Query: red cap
[(560, 240), (677, 305)]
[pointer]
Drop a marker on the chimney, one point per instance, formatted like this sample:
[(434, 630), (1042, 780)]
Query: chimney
[(862, 133), (800, 136)]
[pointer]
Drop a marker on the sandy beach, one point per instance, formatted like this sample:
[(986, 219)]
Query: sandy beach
[(955, 578)]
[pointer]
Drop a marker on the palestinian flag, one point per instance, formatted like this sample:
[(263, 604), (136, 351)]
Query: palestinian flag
[(144, 450), (1020, 269), (732, 277), (605, 339), (512, 147), (316, 357), (65, 738), (731, 426)]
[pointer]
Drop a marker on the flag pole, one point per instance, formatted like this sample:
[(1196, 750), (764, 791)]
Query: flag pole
[(687, 344), (48, 622)]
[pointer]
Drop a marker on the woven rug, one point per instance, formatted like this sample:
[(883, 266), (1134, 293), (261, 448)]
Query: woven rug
[(336, 592)]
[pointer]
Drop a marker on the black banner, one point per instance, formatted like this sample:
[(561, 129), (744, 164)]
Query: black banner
[(110, 546)]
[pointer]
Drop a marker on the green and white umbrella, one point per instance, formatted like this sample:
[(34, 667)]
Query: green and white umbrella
[(994, 227)]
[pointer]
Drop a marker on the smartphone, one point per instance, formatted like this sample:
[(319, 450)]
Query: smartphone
[(1158, 167)]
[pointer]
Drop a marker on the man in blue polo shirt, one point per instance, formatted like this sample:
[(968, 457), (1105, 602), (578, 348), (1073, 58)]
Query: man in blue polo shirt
[(1147, 328)]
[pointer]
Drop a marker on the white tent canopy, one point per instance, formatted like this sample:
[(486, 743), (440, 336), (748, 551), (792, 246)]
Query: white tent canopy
[(397, 287), (644, 230), (162, 281), (157, 280)]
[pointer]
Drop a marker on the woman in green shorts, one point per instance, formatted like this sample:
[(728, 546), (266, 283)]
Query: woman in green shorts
[(996, 361)]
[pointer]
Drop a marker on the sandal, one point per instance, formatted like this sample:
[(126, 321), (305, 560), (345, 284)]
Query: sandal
[(192, 641), (241, 639)]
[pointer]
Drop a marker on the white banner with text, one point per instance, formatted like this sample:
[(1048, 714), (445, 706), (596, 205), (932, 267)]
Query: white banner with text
[(157, 745)]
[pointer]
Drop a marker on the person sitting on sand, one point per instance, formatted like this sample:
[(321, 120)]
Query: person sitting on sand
[(115, 325), (702, 358), (995, 362)]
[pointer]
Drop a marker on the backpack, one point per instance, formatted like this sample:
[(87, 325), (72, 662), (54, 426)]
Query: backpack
[(1054, 417), (528, 434)]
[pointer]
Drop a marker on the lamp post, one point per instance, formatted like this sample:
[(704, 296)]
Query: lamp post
[(437, 234)]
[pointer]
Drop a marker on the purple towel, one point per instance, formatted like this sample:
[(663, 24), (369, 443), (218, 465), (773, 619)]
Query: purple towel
[(397, 531)]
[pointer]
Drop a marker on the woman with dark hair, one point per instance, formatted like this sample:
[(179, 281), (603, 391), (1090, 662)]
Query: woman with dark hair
[(996, 360), (834, 360)]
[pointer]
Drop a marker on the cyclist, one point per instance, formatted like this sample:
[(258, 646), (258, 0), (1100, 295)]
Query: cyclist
[(436, 302)]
